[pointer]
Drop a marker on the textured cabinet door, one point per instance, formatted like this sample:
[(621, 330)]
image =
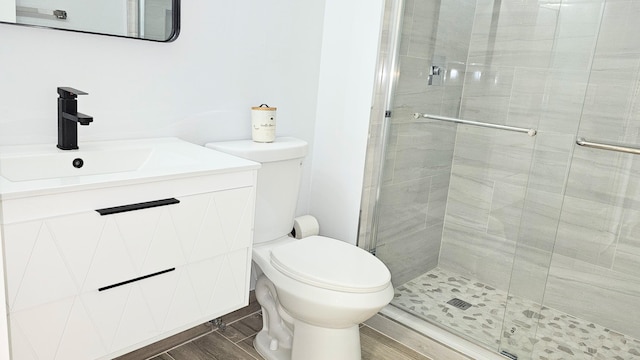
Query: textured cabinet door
[(78, 285)]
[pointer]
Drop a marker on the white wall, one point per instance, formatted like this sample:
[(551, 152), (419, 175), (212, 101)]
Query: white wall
[(349, 53), (230, 55)]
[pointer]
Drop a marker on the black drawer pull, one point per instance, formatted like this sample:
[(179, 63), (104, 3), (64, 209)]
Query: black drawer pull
[(136, 279), (138, 206)]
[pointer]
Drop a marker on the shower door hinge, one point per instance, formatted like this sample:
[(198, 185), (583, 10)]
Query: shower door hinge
[(387, 114)]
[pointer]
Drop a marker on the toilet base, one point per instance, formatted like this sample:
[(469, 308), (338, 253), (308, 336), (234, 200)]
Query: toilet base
[(313, 343), (317, 343), (262, 342)]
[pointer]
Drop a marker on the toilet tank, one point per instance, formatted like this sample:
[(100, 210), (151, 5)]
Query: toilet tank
[(278, 181)]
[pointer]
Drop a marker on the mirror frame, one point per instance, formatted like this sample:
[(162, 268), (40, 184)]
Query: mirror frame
[(174, 34)]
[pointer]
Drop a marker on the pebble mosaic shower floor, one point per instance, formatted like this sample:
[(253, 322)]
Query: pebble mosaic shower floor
[(557, 336)]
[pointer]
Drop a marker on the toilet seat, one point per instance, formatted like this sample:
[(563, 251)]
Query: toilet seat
[(331, 264)]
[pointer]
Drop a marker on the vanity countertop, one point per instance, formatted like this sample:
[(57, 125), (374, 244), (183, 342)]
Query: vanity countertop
[(30, 170)]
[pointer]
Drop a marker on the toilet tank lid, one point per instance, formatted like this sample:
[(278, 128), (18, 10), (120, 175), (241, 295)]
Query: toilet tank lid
[(282, 148), (331, 264)]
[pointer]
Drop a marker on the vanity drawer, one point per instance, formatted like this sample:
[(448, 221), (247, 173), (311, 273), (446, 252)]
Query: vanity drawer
[(55, 258), (95, 324)]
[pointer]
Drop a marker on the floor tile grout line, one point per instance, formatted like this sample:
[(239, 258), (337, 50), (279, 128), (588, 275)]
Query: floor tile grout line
[(241, 340), (181, 344), (382, 333), (169, 355), (244, 317), (250, 336), (245, 351)]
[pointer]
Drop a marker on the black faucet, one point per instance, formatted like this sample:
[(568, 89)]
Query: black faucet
[(69, 117)]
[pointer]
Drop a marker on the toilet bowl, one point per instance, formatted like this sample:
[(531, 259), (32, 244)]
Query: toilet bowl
[(314, 292), (324, 288)]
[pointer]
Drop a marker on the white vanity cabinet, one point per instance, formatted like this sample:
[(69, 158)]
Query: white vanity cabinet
[(96, 273)]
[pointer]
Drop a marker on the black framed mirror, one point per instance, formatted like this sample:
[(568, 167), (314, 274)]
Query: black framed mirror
[(153, 20)]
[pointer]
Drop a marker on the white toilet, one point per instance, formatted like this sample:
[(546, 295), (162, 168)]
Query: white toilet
[(315, 291)]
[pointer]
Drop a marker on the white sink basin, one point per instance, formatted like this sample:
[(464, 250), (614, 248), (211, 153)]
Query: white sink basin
[(64, 164), (26, 169)]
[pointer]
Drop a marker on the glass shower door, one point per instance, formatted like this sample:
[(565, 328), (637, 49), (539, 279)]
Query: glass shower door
[(451, 195), (590, 305)]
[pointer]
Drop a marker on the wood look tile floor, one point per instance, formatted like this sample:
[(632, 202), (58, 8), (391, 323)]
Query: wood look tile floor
[(235, 342)]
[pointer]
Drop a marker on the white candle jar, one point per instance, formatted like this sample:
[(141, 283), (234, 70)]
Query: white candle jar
[(263, 123)]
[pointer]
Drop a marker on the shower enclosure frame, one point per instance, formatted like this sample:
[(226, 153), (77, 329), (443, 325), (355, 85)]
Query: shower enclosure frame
[(370, 221)]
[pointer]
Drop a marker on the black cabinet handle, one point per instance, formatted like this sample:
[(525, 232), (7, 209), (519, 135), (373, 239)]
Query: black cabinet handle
[(136, 279), (138, 206)]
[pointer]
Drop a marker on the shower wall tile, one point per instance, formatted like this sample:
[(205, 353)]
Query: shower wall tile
[(390, 156), (403, 208), (606, 297), (619, 28), (527, 97), (487, 93), (506, 210), (529, 275), (603, 176), (611, 107), (609, 101), (576, 35), (411, 254), (412, 80), (424, 29), (588, 231), (518, 33), (563, 101), (489, 81), (407, 24), (454, 31), (555, 143), (551, 160), (480, 108), (469, 203), (485, 202), (423, 150), (627, 259), (492, 155), (474, 253), (627, 263), (633, 188), (419, 28), (540, 218), (373, 153), (438, 199), (412, 92), (452, 89)]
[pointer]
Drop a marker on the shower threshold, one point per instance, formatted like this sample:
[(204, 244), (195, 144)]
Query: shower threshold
[(556, 336)]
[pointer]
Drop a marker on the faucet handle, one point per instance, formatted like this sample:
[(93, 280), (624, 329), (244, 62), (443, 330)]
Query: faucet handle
[(70, 93)]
